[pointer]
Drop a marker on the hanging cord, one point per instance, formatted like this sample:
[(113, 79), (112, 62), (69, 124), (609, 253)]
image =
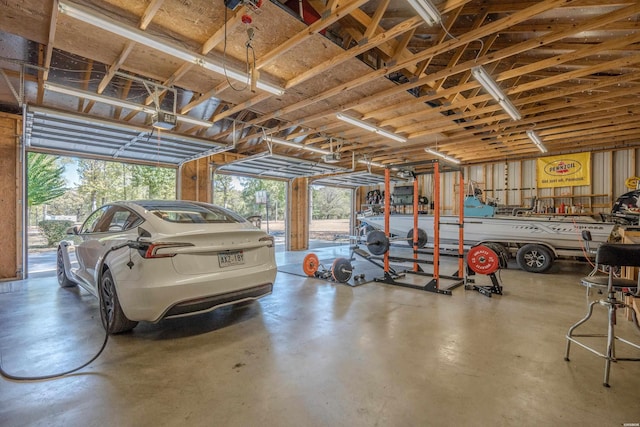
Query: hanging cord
[(6, 375), (247, 47), (451, 36)]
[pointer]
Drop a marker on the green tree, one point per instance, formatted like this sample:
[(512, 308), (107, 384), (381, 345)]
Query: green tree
[(222, 190), (45, 179), (96, 183), (160, 183), (331, 202), (276, 191)]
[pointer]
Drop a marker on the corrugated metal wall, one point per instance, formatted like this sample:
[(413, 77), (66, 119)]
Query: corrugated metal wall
[(514, 183)]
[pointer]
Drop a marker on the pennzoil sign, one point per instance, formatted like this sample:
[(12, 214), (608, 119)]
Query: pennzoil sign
[(564, 171), (564, 167)]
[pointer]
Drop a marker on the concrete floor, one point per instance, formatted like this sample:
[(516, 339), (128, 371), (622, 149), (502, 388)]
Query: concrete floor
[(318, 354)]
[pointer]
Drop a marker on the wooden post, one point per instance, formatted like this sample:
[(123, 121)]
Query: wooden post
[(12, 228), (298, 218)]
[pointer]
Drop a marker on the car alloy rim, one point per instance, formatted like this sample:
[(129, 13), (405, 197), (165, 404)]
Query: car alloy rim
[(107, 299)]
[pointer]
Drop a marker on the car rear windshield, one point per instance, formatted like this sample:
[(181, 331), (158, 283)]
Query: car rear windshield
[(190, 214)]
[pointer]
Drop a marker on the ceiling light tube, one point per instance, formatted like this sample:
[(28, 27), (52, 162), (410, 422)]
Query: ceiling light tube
[(442, 155), (120, 103), (134, 34), (371, 163), (494, 90), (294, 144), (536, 140), (426, 10), (371, 128)]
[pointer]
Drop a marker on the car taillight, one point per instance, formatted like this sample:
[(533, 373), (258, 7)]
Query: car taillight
[(151, 251), (269, 239)]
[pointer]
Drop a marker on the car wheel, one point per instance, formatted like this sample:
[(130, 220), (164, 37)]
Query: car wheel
[(113, 318), (63, 279), (534, 258)]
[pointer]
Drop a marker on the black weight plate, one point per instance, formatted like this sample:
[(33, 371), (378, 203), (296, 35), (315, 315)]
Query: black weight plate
[(422, 238), (341, 270), (377, 242)]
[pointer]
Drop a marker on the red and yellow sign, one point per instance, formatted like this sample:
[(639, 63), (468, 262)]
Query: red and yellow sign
[(567, 170)]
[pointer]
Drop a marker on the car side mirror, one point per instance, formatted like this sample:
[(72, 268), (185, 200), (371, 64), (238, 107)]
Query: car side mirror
[(73, 230)]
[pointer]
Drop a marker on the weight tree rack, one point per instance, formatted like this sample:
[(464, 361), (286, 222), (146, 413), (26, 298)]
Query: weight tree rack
[(434, 284)]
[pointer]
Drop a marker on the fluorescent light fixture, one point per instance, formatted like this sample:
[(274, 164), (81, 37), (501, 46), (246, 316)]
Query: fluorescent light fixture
[(442, 155), (536, 140), (293, 144), (426, 10), (121, 103), (90, 17), (371, 128), (371, 163), (494, 90)]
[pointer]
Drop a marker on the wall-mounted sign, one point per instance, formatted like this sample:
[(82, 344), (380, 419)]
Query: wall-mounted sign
[(567, 170)]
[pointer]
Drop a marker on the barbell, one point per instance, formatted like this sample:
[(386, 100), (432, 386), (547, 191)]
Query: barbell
[(378, 243), (341, 269)]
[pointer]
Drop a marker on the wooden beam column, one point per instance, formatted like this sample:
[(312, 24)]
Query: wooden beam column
[(298, 214), (11, 203), (195, 181)]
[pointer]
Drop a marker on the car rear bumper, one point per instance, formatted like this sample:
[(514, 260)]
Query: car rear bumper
[(176, 296), (202, 305)]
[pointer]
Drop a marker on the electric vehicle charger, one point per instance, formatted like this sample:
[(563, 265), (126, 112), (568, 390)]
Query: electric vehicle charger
[(132, 244)]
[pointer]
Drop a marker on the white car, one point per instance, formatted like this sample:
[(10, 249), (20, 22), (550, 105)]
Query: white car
[(158, 259)]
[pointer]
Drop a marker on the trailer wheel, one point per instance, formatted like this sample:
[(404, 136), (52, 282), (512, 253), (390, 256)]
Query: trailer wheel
[(534, 258)]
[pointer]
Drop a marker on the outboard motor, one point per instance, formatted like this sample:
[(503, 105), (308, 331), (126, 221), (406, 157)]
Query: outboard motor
[(628, 206)]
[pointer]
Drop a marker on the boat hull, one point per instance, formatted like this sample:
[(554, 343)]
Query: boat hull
[(558, 234)]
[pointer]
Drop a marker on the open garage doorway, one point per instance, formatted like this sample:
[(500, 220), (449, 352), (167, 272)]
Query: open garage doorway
[(330, 213), (262, 201), (62, 191)]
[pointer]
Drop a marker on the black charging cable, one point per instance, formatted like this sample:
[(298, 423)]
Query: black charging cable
[(133, 244)]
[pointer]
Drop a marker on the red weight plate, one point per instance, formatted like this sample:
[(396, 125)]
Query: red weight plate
[(310, 264), (483, 260)]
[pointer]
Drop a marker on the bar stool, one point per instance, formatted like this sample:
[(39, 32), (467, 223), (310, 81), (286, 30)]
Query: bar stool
[(611, 255)]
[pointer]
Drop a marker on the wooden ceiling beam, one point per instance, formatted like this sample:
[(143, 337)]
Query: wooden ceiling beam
[(340, 11), (372, 42), (85, 81), (504, 53), (491, 28), (53, 22), (375, 20)]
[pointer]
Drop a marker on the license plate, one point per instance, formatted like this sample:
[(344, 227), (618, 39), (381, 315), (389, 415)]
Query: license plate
[(227, 259)]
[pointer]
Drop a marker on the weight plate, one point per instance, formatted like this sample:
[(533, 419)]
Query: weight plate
[(501, 251), (483, 260), (341, 270), (377, 242), (310, 264), (422, 238)]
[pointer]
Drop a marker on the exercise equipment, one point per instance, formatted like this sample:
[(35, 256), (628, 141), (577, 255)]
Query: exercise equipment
[(381, 245), (485, 259), (377, 242), (422, 238), (341, 269)]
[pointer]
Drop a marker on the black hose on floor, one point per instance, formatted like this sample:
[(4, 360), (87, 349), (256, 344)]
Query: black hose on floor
[(19, 378)]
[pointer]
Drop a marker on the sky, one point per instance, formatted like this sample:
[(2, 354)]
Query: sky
[(71, 173)]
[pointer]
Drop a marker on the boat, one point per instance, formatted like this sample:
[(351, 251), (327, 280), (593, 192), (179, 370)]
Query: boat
[(535, 241)]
